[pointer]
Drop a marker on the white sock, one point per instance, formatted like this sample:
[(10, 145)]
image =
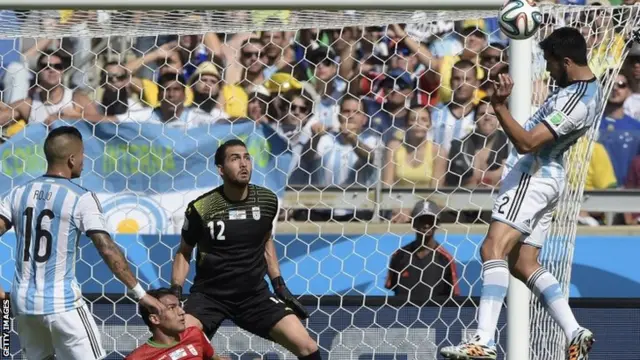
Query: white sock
[(495, 280), (548, 291)]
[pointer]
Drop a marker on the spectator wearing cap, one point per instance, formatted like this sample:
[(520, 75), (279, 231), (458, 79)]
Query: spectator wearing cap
[(208, 93), (455, 120), (390, 117), (619, 133), (412, 159), (423, 270), (51, 99)]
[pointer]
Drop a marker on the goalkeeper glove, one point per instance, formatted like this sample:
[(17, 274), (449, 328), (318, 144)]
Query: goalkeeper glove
[(285, 295)]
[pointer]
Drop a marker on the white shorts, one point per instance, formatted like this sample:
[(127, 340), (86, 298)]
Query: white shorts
[(526, 204), (69, 335)]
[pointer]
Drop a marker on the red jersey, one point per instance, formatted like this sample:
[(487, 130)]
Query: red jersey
[(193, 345)]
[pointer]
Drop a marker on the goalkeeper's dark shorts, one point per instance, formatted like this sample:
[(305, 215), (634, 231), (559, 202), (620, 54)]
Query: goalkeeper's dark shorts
[(257, 313)]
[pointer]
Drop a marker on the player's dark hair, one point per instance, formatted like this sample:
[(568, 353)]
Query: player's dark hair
[(156, 293), (221, 152), (52, 152), (566, 42)]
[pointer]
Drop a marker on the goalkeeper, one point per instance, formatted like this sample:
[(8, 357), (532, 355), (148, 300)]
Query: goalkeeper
[(232, 226)]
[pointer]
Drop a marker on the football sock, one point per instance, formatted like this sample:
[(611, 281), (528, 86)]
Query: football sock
[(313, 356), (495, 280), (547, 289)]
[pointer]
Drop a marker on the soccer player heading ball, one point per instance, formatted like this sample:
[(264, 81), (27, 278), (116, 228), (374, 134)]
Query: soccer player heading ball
[(232, 228), (532, 183)]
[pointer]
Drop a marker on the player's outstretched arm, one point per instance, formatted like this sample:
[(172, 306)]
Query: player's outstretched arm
[(111, 254), (523, 141), (180, 267)]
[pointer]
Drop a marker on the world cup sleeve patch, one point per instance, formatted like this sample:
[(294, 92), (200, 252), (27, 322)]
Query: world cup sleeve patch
[(556, 118)]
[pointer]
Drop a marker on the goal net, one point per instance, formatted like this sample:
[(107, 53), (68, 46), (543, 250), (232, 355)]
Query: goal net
[(351, 117)]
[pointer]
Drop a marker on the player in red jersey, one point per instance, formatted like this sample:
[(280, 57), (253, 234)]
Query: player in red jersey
[(171, 338)]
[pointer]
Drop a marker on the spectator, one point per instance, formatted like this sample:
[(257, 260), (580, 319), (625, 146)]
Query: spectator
[(619, 133), (423, 270), (631, 70), (172, 111), (51, 100), (494, 60), (475, 42), (277, 55), (252, 67), (116, 95), (346, 157), (169, 61), (478, 159), (455, 120), (206, 87), (296, 126), (259, 100), (391, 116), (412, 159), (329, 87), (600, 175), (633, 182)]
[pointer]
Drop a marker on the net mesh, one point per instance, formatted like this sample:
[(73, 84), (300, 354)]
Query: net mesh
[(347, 206)]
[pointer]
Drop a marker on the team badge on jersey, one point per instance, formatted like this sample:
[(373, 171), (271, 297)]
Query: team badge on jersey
[(178, 354), (192, 350), (256, 212)]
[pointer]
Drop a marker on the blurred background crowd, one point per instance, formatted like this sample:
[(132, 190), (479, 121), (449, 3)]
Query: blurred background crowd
[(406, 106)]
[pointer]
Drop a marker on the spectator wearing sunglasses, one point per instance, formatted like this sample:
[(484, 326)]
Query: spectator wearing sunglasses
[(51, 99), (117, 97), (631, 69), (619, 133)]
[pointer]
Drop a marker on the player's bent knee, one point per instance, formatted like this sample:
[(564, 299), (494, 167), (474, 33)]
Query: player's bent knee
[(191, 320), (492, 249)]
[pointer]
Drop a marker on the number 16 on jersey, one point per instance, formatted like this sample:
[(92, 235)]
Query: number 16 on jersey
[(212, 229)]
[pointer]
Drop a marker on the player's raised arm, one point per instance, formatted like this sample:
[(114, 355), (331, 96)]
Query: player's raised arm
[(192, 230), (92, 223), (523, 141)]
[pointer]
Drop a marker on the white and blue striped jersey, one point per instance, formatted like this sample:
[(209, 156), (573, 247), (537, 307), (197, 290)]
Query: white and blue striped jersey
[(568, 113), (49, 214), (447, 127)]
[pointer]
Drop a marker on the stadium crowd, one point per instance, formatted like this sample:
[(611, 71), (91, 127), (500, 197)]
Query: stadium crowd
[(405, 105)]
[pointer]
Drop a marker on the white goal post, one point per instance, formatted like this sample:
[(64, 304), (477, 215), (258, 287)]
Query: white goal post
[(530, 335)]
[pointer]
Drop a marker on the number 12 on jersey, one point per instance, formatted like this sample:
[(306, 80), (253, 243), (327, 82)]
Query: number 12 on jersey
[(212, 229)]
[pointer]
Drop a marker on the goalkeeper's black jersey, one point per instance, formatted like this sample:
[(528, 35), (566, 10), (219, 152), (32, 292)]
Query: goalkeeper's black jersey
[(230, 239)]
